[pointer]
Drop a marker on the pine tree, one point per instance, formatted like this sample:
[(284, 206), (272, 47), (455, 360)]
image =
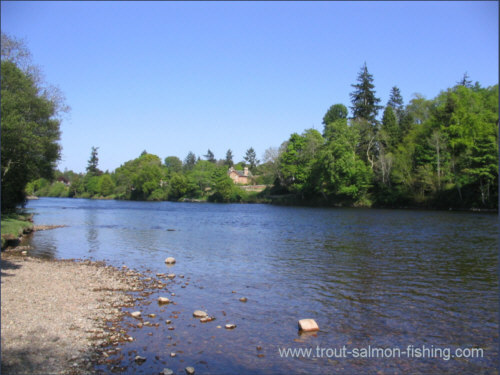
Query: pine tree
[(190, 160), (92, 163), (364, 102), (210, 156), (229, 158), (465, 81), (251, 158)]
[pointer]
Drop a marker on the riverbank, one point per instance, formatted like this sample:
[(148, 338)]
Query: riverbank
[(13, 226), (57, 314)]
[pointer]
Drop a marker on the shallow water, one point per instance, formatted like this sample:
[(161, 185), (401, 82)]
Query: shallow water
[(370, 278)]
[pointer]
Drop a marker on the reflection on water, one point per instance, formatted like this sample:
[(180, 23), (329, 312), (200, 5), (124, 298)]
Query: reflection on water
[(368, 277)]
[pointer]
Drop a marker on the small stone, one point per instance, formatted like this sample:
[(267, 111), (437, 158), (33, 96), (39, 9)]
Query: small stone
[(24, 252), (308, 325), (168, 321), (243, 299), (167, 371), (136, 314), (162, 300), (170, 260), (152, 315), (189, 370), (172, 294), (207, 319), (139, 359), (130, 338), (171, 275), (173, 355), (230, 326), (259, 347), (199, 314), (171, 328), (219, 327), (181, 276)]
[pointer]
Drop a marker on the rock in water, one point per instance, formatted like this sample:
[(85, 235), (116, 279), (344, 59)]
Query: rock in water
[(139, 359), (190, 370), (162, 300), (243, 299), (308, 325), (199, 314), (167, 371), (230, 326), (136, 314), (170, 260), (171, 275)]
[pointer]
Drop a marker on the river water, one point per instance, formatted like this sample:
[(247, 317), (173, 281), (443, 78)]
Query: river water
[(386, 283)]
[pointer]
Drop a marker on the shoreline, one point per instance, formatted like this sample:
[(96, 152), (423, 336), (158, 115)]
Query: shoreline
[(59, 316)]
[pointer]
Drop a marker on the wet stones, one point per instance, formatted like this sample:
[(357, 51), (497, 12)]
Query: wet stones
[(136, 314), (190, 370), (170, 260), (243, 299), (139, 359), (163, 300), (167, 371), (230, 326), (308, 325), (200, 314), (207, 319), (171, 276)]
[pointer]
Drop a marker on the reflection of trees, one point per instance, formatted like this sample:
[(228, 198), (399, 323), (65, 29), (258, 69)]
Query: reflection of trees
[(92, 233)]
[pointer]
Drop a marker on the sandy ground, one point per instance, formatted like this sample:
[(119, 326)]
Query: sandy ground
[(55, 313)]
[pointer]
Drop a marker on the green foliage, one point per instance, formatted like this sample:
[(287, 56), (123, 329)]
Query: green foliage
[(178, 187), (58, 189), (334, 113), (30, 132), (225, 191), (173, 164), (106, 185)]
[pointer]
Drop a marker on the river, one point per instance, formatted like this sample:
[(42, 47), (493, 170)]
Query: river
[(392, 283)]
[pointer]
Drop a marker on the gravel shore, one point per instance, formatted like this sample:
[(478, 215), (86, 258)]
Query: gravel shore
[(55, 314)]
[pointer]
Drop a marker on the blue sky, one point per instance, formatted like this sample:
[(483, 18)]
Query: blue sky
[(174, 77)]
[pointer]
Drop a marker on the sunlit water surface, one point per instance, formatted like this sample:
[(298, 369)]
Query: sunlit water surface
[(378, 278)]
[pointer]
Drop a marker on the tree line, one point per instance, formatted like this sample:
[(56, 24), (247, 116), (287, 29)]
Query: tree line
[(436, 153)]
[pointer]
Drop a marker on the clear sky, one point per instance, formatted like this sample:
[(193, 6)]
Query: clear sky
[(174, 77)]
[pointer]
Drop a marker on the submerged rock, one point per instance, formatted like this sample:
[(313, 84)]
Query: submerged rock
[(199, 314), (171, 275), (207, 319), (167, 371), (170, 260), (136, 314), (230, 326), (139, 359), (189, 370), (243, 299), (308, 325)]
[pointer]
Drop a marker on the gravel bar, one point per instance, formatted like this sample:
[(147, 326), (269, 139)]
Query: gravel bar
[(56, 314)]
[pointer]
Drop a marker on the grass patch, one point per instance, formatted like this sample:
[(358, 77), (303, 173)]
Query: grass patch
[(14, 225)]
